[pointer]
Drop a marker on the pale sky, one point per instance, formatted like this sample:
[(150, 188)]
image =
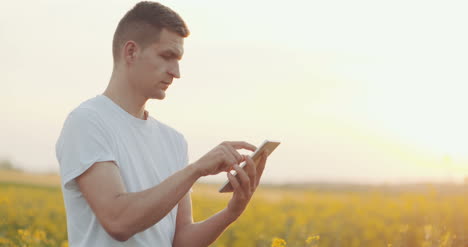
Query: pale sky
[(356, 91)]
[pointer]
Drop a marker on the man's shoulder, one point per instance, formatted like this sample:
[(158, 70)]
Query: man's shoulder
[(88, 110), (92, 104)]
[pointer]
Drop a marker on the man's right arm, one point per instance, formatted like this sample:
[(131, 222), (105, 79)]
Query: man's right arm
[(124, 214)]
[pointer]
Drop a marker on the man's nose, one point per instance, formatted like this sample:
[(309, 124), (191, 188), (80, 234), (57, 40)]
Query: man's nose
[(174, 70)]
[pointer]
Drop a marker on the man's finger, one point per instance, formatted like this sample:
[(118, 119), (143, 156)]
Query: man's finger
[(244, 145), (252, 172), (236, 154), (229, 159), (235, 184), (244, 179), (261, 166)]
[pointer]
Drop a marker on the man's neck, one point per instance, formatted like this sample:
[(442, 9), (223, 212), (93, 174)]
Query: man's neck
[(126, 97)]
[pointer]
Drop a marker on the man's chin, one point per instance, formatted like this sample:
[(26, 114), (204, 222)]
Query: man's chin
[(159, 96)]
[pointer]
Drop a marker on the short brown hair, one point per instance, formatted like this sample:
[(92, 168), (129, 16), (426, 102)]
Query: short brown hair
[(143, 24)]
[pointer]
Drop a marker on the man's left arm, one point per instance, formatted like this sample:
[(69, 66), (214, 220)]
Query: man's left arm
[(204, 233)]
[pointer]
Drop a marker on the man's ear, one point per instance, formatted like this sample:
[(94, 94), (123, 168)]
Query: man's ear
[(130, 51)]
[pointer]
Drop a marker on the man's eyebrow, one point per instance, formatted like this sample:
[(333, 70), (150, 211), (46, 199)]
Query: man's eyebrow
[(172, 53)]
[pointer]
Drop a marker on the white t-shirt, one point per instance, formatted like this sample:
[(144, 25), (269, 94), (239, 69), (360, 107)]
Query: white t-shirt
[(146, 152)]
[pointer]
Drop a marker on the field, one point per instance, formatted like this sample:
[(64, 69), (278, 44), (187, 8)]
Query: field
[(32, 214)]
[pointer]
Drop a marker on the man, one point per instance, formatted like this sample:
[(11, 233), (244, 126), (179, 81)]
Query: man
[(125, 175)]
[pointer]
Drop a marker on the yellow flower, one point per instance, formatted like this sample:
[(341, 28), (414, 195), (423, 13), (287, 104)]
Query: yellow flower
[(278, 242), (311, 239), (427, 231), (40, 235)]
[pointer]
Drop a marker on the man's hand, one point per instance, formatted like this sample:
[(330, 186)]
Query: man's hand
[(205, 232), (222, 158), (245, 184)]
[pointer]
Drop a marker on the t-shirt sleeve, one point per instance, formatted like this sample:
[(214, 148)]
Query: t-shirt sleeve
[(84, 140)]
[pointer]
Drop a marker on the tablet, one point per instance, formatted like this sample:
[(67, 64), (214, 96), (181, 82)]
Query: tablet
[(267, 145)]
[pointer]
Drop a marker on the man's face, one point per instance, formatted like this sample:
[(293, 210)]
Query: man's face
[(155, 67)]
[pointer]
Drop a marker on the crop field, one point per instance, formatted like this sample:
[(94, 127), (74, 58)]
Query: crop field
[(33, 214)]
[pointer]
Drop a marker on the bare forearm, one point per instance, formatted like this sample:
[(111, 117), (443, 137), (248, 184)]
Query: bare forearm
[(141, 210), (204, 233)]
